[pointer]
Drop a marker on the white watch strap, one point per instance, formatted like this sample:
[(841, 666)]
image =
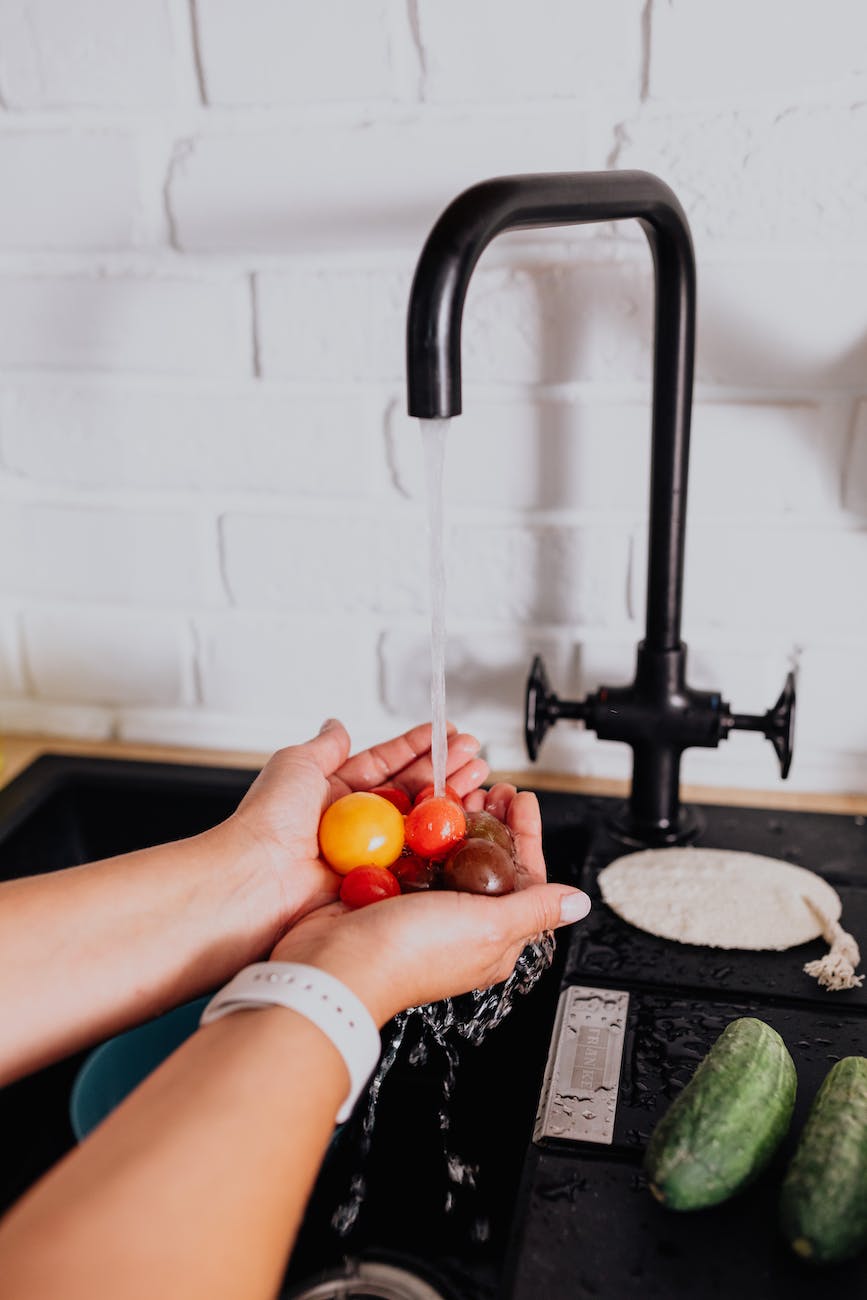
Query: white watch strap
[(318, 996)]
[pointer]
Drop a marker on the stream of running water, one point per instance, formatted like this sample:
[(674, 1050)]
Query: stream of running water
[(472, 1016), (433, 437)]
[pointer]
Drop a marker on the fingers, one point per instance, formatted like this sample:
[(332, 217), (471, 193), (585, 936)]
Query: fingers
[(498, 799), (525, 822), (529, 911), (329, 749), (467, 779), (475, 801), (378, 764), (461, 760)]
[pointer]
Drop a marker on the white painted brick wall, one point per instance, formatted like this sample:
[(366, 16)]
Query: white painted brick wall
[(855, 473), (772, 320), (701, 50), (86, 53), (68, 189), (13, 680), (549, 453), (81, 552), (211, 516), (298, 667), (158, 324), (336, 184), (763, 580), (107, 656), (530, 324), (831, 679), (512, 575), (760, 172), (335, 51), (486, 672), (560, 454), (236, 439), (766, 322), (313, 562), (485, 51), (318, 323)]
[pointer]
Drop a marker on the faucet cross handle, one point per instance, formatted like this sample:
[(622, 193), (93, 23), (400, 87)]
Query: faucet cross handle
[(543, 708), (660, 716), (778, 724)]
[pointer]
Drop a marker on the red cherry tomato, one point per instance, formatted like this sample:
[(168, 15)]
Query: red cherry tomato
[(434, 826), (368, 885), (428, 790), (399, 798)]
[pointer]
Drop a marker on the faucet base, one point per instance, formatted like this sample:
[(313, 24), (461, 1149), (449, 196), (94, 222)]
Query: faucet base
[(623, 828)]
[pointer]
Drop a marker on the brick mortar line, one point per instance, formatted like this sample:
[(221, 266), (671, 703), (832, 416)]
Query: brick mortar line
[(613, 636), (261, 504), (530, 256), (589, 392)]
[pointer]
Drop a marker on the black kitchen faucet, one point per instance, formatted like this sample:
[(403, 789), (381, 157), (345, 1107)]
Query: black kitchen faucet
[(657, 714)]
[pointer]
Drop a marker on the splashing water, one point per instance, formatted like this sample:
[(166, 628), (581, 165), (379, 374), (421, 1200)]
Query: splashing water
[(470, 1017), (343, 1219), (433, 437)]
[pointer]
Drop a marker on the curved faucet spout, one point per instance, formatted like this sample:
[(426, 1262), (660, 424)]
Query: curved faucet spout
[(521, 202)]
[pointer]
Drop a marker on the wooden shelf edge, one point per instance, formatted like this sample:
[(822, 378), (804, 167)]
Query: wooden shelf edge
[(19, 751)]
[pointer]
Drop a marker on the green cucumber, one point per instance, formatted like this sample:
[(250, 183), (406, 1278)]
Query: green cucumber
[(725, 1126), (823, 1205)]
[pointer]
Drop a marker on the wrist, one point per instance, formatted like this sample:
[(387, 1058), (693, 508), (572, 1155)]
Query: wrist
[(327, 1002), (363, 975), (252, 891)]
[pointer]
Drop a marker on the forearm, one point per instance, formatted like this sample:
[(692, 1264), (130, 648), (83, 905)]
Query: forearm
[(196, 1185), (88, 951)]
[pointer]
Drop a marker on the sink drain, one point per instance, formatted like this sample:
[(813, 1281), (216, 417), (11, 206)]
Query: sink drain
[(366, 1281)]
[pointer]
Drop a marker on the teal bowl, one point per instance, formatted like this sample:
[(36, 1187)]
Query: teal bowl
[(113, 1070)]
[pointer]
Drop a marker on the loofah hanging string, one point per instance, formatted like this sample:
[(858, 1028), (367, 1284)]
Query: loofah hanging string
[(836, 970)]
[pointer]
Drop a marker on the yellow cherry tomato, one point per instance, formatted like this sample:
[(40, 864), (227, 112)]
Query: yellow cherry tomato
[(360, 830)]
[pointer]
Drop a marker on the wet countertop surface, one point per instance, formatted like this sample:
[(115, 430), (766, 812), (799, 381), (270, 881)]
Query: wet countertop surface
[(587, 1225)]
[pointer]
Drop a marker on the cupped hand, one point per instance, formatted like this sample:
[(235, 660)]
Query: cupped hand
[(277, 822), (403, 952)]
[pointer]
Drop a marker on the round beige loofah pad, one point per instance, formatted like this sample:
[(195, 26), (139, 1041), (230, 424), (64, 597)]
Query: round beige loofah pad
[(718, 898)]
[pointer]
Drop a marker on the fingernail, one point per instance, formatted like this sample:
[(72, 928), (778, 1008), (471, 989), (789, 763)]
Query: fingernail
[(328, 724), (469, 745), (573, 907)]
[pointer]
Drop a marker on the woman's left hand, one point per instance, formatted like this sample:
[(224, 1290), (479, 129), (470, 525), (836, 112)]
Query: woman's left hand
[(277, 822)]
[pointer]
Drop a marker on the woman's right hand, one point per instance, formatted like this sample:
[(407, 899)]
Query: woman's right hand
[(407, 951)]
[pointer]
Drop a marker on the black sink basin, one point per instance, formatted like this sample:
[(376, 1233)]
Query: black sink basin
[(58, 813), (542, 1221)]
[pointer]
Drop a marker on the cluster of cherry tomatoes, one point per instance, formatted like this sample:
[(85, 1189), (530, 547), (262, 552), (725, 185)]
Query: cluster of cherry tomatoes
[(383, 844)]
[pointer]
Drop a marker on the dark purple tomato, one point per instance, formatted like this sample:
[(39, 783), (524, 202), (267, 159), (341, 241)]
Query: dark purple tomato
[(479, 867), (414, 873), (485, 826)]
